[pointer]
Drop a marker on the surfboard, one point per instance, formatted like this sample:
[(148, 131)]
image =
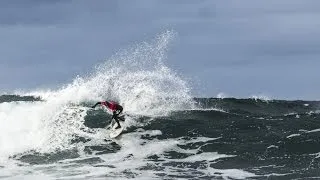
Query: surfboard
[(116, 132)]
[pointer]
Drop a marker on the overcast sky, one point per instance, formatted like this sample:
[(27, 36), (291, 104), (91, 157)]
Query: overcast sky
[(240, 48)]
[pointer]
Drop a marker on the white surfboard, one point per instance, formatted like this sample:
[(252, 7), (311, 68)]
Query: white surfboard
[(116, 132)]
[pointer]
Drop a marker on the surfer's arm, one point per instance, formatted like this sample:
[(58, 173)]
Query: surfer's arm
[(96, 104)]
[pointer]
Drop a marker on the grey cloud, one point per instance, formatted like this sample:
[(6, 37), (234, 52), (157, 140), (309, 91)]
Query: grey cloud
[(55, 12), (31, 12), (237, 47)]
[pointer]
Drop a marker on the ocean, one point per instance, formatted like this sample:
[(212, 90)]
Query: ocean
[(168, 134), (219, 139)]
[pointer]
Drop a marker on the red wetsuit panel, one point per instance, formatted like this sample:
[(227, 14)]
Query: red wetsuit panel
[(111, 105)]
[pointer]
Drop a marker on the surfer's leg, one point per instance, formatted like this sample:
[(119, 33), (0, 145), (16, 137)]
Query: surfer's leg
[(119, 126), (115, 117), (119, 115)]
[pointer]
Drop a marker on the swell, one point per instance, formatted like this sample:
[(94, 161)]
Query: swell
[(12, 98), (259, 107), (231, 105)]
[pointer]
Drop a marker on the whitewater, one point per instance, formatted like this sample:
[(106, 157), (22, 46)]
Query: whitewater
[(136, 78), (169, 134)]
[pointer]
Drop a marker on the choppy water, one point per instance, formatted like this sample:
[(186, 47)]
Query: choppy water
[(221, 139)]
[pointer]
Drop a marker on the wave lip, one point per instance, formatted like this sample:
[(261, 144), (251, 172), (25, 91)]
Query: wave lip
[(46, 121)]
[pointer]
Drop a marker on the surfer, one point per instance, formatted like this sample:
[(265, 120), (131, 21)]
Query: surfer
[(115, 108)]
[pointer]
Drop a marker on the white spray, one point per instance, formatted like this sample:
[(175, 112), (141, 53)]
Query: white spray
[(137, 78)]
